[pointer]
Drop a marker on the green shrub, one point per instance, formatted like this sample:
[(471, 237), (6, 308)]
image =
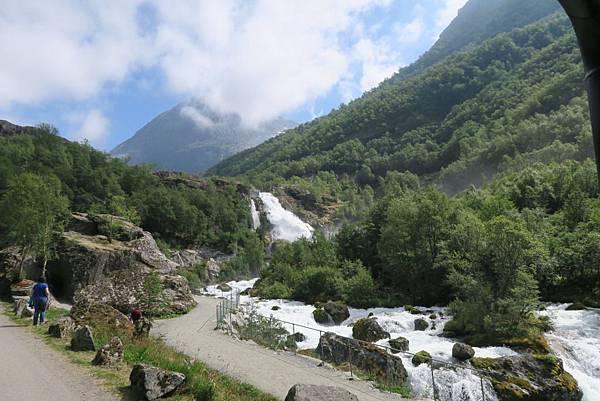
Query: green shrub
[(359, 290), (276, 290), (319, 284)]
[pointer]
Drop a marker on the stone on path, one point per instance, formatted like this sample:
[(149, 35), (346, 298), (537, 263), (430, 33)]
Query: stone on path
[(62, 328), (309, 392), (83, 340), (153, 383), (110, 354)]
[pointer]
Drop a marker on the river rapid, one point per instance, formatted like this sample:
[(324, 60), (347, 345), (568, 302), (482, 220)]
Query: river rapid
[(575, 336)]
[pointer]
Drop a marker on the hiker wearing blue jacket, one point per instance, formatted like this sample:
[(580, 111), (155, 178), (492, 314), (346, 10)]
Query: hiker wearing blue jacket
[(39, 298)]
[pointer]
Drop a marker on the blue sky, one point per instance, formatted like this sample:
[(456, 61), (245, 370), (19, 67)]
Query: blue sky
[(100, 70)]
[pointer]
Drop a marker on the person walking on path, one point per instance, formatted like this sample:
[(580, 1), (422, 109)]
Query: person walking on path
[(40, 295)]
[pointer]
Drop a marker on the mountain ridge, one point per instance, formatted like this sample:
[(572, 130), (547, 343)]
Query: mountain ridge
[(192, 137)]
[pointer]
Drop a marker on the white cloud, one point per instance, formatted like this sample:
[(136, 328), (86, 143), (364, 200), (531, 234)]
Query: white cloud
[(196, 116), (259, 58), (93, 126), (410, 32)]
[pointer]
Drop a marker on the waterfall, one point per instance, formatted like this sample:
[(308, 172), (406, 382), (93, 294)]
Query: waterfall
[(286, 225), (255, 215)]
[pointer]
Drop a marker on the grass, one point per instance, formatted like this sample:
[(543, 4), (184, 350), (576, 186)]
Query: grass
[(202, 383)]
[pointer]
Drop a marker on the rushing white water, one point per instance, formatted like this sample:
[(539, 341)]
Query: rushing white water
[(452, 385), (255, 215), (286, 225), (576, 339)]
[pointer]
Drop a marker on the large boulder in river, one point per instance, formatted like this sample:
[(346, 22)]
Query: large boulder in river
[(112, 263), (399, 344), (529, 377), (337, 310), (366, 357), (462, 351), (311, 392), (421, 324), (153, 383), (368, 329)]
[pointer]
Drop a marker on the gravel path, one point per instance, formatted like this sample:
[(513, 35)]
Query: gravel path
[(273, 372), (31, 371)]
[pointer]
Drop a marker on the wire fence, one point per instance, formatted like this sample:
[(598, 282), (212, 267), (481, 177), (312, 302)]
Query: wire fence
[(273, 333)]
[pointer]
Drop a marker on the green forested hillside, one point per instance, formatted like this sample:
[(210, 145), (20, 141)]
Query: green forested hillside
[(512, 100), (36, 164)]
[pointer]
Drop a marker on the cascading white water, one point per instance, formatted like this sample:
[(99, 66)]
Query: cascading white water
[(255, 215), (576, 339), (286, 225)]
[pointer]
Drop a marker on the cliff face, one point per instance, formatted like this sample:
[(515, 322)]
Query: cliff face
[(104, 259)]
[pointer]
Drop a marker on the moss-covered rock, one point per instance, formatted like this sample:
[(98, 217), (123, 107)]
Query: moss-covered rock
[(399, 344), (369, 330), (321, 316), (529, 377), (420, 358)]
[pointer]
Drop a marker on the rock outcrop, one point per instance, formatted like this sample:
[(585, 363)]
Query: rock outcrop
[(529, 377), (101, 315), (83, 339), (110, 354), (153, 383), (142, 327), (366, 357), (368, 329), (104, 259), (309, 392), (11, 262)]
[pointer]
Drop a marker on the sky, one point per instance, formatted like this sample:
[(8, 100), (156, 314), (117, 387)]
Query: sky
[(99, 70)]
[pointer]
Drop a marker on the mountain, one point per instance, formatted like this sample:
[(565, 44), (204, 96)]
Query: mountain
[(191, 137), (501, 101)]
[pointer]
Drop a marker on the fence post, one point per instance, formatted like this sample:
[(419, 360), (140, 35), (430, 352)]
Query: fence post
[(294, 338), (320, 347), (435, 398), (350, 356), (482, 389), (271, 330)]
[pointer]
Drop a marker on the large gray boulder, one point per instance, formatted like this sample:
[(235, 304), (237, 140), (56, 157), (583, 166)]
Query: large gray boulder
[(98, 314), (337, 310), (366, 357), (368, 329), (83, 339), (462, 351), (110, 354), (310, 392), (62, 328), (153, 383), (421, 324)]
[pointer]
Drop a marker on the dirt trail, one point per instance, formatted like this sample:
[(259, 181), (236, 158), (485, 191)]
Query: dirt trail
[(31, 371), (274, 372)]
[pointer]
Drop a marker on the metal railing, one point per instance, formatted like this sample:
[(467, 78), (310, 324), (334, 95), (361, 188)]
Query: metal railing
[(271, 332)]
